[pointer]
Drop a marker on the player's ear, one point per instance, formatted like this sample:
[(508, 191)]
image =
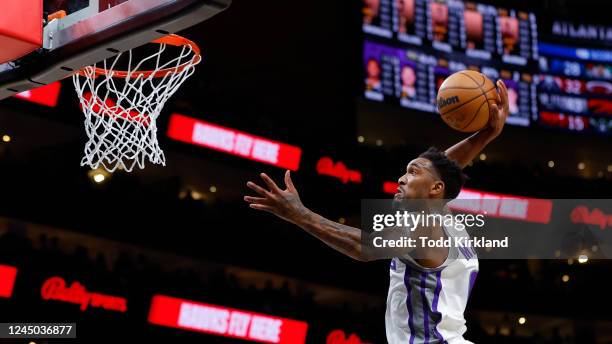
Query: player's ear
[(437, 188)]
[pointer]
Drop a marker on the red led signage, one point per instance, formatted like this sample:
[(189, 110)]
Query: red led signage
[(327, 167), (582, 214), (390, 187), (496, 205), (46, 95), (55, 288), (227, 140), (339, 337), (8, 274), (504, 206), (226, 322)]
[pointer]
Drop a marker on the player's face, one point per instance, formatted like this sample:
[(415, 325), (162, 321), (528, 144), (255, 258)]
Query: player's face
[(373, 6), (373, 69), (439, 13), (419, 181), (509, 27), (513, 99), (408, 76), (473, 24), (405, 8)]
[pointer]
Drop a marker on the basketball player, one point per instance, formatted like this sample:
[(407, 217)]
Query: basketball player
[(427, 294), (373, 82), (408, 81)]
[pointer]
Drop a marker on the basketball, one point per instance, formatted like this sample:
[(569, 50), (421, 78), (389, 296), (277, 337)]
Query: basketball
[(464, 100)]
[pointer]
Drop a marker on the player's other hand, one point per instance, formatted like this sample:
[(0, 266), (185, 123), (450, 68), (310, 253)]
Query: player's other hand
[(499, 113), (285, 204)]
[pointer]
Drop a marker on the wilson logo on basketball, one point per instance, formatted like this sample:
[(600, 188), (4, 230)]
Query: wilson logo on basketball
[(443, 102)]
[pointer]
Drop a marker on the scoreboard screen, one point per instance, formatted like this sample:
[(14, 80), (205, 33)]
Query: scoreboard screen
[(575, 80), (475, 30), (411, 77), (411, 46)]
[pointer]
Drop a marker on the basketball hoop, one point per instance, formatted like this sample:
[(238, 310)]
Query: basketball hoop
[(121, 106)]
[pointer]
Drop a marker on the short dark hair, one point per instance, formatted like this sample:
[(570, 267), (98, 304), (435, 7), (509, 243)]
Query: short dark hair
[(449, 170)]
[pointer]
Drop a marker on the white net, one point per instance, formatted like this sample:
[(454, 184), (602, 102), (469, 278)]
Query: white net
[(121, 107)]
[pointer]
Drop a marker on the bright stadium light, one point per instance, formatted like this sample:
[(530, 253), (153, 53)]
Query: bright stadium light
[(583, 258), (99, 175), (565, 278), (522, 320), (99, 178), (6, 138), (551, 164), (196, 195)]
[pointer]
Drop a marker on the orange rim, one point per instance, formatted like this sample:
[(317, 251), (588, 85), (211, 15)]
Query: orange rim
[(174, 40)]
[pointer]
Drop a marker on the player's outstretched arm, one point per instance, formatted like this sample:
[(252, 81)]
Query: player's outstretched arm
[(466, 150), (287, 205)]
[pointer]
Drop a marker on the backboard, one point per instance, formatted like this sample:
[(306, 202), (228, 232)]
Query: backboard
[(88, 31)]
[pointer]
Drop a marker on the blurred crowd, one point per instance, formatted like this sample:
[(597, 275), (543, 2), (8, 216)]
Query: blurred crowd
[(137, 276)]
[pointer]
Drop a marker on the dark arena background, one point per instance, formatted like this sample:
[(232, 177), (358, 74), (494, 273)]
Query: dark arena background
[(115, 252)]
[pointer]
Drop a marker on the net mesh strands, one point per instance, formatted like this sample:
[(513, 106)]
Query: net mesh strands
[(121, 106)]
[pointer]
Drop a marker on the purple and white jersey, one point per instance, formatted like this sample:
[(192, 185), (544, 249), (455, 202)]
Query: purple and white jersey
[(425, 306)]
